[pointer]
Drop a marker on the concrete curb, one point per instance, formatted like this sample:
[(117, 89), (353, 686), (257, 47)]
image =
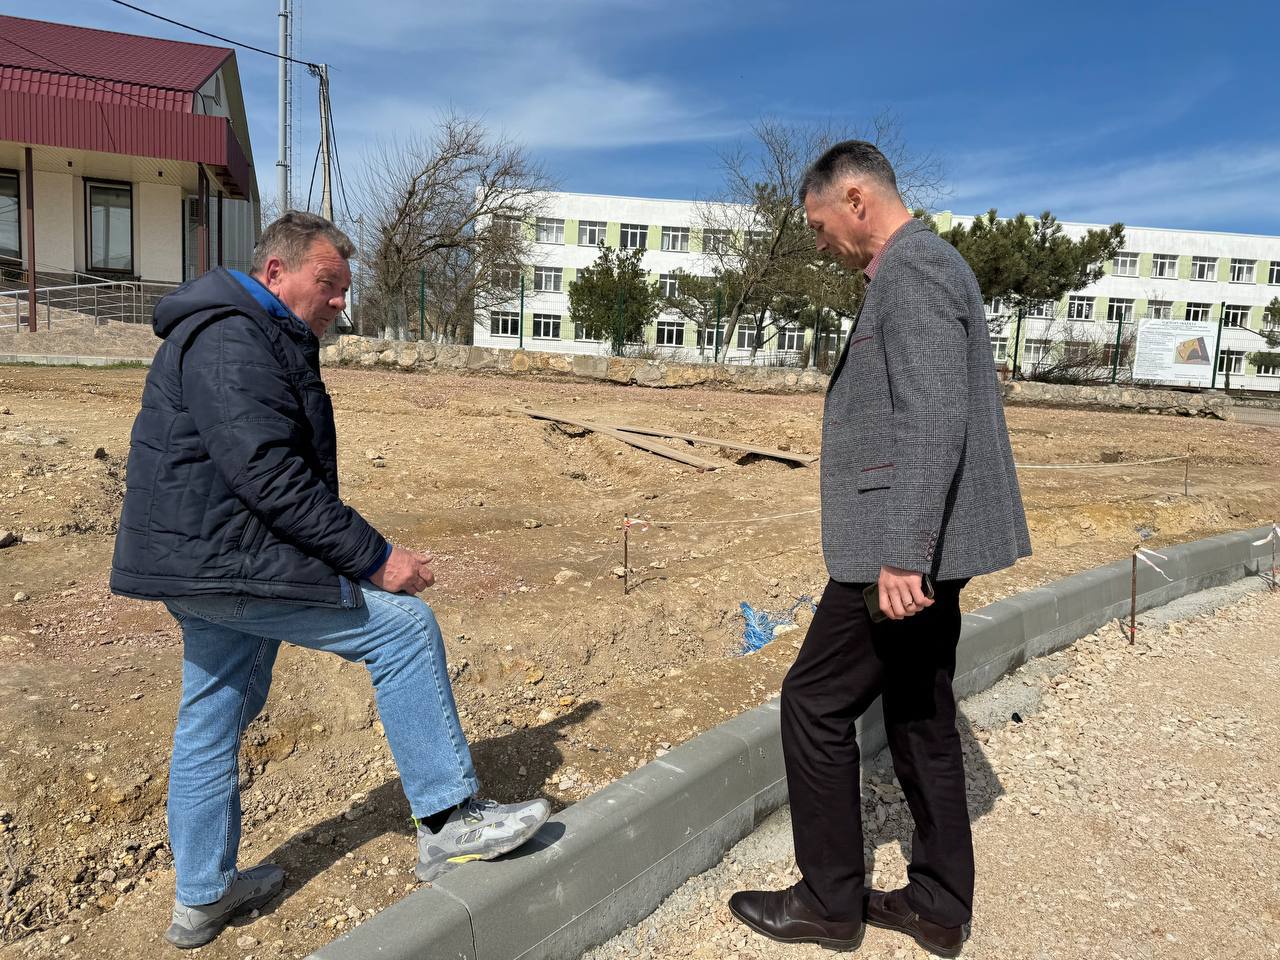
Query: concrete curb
[(607, 862)]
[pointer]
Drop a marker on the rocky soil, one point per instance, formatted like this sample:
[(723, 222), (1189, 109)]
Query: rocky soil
[(563, 682), (1131, 813)]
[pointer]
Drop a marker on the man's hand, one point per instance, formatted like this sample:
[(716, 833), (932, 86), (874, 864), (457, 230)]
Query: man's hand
[(406, 571), (901, 595)]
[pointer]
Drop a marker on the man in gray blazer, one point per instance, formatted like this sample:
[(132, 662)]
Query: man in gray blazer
[(919, 494)]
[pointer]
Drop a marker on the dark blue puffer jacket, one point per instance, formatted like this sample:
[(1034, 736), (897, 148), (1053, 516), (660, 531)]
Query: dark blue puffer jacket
[(233, 473)]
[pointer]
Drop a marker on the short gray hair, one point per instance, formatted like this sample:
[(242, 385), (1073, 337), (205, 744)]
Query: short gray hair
[(290, 238), (848, 158)]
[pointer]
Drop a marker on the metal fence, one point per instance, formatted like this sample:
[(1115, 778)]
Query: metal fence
[(86, 304)]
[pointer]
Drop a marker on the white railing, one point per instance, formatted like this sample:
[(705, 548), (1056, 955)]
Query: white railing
[(91, 304)]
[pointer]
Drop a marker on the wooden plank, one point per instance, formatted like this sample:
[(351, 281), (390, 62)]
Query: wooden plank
[(804, 459), (661, 449)]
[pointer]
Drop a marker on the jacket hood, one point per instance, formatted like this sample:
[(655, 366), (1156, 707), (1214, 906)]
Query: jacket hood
[(213, 290)]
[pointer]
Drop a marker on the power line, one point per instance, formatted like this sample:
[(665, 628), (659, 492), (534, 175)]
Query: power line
[(213, 36)]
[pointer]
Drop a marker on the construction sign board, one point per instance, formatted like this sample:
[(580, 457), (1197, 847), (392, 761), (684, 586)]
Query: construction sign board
[(1176, 352)]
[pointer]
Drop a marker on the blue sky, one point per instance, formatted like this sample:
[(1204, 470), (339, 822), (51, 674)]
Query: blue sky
[(1154, 114)]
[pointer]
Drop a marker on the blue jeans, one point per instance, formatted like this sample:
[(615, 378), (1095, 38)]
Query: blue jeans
[(229, 647)]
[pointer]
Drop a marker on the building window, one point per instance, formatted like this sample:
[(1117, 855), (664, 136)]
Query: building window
[(671, 333), (1080, 308), (1231, 361), (791, 338), (507, 226), (675, 239), (1160, 309), (547, 279), (635, 236), (546, 326), (716, 241), (747, 336), (590, 233), (1268, 370), (1242, 271), (580, 332), (549, 230), (1235, 316), (1077, 351), (10, 222), (711, 336), (1125, 265), (110, 233), (1164, 265), (1274, 276), (506, 278), (1000, 349), (995, 307), (1040, 309), (1204, 268), (1197, 312), (1270, 321), (669, 284), (504, 323), (1034, 353), (1119, 310)]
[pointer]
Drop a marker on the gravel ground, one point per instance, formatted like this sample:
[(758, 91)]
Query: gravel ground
[(1132, 814)]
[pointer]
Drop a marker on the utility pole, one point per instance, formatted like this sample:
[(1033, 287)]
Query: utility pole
[(284, 153), (326, 192)]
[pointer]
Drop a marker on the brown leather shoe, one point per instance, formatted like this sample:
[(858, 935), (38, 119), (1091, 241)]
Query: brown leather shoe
[(781, 915), (892, 912)]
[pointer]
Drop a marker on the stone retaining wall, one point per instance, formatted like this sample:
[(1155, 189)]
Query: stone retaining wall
[(420, 355)]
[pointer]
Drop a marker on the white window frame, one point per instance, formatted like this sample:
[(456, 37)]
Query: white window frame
[(1164, 266), (1232, 358), (580, 333), (1040, 310), (1124, 264), (1273, 276), (716, 241), (548, 279), (1034, 350), (549, 230), (995, 307), (1235, 315), (591, 232), (669, 284), (1243, 270), (999, 349), (549, 324), (1123, 306), (1263, 370), (675, 239), (745, 334), (1204, 268), (637, 233), (1198, 312), (1160, 309), (499, 275), (1080, 308), (791, 337), (504, 323), (706, 336), (508, 226), (670, 333)]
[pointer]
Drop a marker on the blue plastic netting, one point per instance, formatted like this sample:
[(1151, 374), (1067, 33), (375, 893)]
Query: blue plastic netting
[(760, 624)]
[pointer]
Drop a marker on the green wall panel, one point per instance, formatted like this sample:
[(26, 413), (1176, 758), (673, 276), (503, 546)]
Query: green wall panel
[(613, 235), (570, 232), (655, 236), (1144, 264), (1184, 267)]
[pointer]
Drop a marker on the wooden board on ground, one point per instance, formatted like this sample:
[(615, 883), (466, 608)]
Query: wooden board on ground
[(804, 459), (661, 449)]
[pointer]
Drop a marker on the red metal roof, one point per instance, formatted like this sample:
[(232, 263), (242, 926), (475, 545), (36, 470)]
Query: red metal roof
[(47, 83), (106, 55)]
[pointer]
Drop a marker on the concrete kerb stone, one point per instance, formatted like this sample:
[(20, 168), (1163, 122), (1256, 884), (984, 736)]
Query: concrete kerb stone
[(606, 862)]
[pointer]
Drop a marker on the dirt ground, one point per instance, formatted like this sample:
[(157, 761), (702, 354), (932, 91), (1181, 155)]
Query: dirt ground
[(1131, 814), (563, 682)]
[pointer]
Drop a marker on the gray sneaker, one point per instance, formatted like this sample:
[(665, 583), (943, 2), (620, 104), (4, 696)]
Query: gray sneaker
[(478, 830), (196, 926)]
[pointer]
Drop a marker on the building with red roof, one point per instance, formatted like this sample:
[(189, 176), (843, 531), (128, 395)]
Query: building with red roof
[(121, 156)]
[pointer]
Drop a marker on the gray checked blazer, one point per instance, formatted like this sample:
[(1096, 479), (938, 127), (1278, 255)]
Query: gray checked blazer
[(917, 471)]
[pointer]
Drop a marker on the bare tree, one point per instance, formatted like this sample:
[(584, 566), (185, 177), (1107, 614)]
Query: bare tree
[(756, 227), (445, 211)]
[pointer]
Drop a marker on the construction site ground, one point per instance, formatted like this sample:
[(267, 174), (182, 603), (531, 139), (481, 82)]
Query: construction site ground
[(563, 683)]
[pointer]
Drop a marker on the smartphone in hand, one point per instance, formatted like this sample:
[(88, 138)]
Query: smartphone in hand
[(872, 596)]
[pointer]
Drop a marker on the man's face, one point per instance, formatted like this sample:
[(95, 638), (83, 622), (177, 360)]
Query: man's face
[(838, 218), (315, 290)]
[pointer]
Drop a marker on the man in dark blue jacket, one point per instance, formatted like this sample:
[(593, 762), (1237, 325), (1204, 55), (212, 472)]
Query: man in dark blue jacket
[(232, 518)]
